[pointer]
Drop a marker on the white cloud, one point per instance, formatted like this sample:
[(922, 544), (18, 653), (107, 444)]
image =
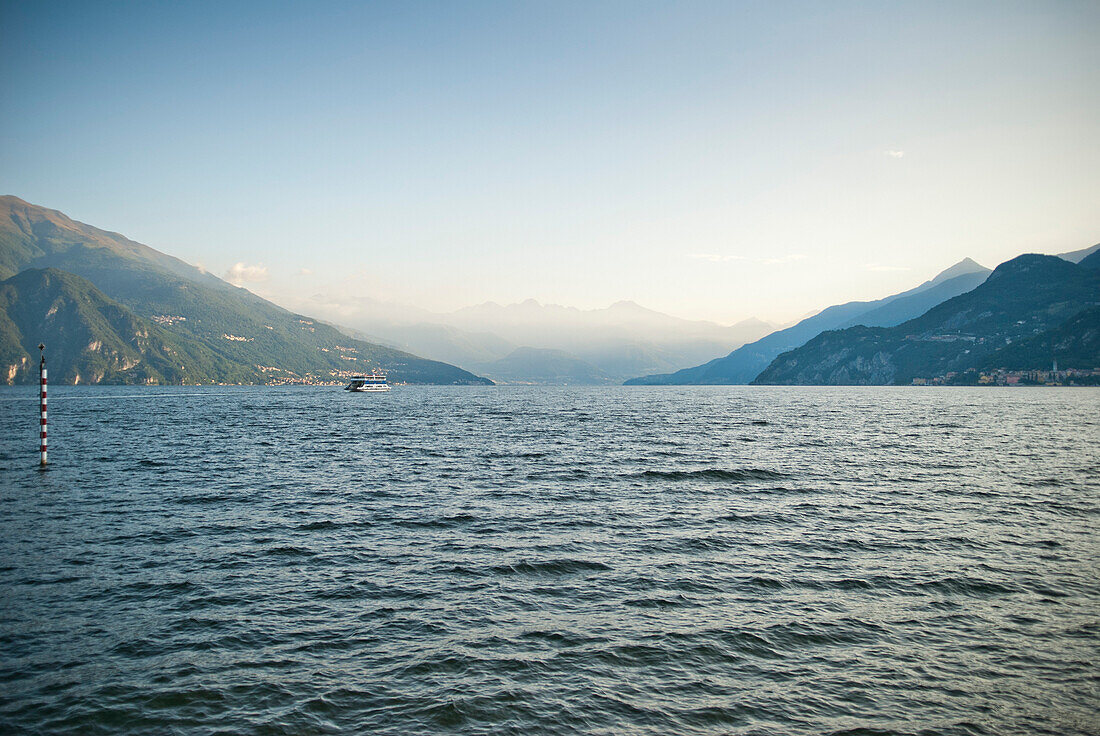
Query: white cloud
[(305, 271), (240, 273), (895, 153)]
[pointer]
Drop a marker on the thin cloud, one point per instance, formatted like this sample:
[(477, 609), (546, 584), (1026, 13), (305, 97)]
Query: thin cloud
[(721, 258), (716, 257), (895, 153), (883, 267), (792, 258), (241, 273)]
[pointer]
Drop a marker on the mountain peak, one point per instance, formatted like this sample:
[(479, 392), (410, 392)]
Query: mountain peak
[(754, 322), (965, 266), (628, 308), (1024, 297)]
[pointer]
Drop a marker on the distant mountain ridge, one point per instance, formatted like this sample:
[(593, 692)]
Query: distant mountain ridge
[(1076, 256), (745, 363), (1027, 306), (545, 366), (615, 342), (229, 334), (627, 317), (233, 323)]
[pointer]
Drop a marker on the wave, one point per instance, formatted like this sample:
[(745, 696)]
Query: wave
[(289, 550), (570, 474), (440, 522), (530, 455), (559, 638), (713, 474), (965, 586), (675, 601), (318, 525), (705, 544), (550, 567), (752, 518)]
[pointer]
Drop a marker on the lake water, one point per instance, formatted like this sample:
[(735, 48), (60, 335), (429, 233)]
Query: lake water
[(725, 560)]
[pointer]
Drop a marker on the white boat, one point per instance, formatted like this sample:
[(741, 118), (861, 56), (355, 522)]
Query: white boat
[(370, 382)]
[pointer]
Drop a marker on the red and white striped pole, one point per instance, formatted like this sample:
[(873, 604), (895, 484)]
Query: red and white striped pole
[(42, 380)]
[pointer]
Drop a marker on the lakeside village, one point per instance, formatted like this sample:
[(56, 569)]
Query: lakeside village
[(290, 378), (285, 377), (1053, 377)]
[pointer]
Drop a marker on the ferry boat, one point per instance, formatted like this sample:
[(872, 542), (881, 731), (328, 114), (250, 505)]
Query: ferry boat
[(371, 382)]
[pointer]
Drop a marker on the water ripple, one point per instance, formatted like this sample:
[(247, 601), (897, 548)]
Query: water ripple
[(553, 561)]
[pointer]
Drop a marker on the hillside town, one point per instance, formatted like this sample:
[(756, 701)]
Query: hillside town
[(1001, 377)]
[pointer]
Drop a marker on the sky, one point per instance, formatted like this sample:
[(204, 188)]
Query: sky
[(712, 160)]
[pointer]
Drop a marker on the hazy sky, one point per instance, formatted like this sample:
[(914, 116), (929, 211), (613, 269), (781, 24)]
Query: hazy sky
[(712, 160)]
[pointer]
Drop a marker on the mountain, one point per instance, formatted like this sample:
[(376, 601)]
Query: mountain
[(531, 322), (903, 307), (745, 363), (185, 301), (622, 359), (1076, 256), (610, 360), (544, 366), (91, 338), (1073, 344), (1015, 319), (439, 341), (622, 340)]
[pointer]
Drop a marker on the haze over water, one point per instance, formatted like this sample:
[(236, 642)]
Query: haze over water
[(542, 560)]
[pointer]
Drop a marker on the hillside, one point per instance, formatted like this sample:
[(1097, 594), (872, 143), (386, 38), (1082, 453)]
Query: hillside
[(1073, 344), (233, 323), (745, 363), (94, 339), (1002, 320)]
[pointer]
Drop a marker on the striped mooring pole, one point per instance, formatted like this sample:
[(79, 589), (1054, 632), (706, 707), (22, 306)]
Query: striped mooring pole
[(42, 381)]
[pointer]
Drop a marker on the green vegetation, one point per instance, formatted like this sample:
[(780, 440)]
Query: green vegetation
[(1073, 344), (746, 362), (1032, 310), (230, 334), (94, 339)]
